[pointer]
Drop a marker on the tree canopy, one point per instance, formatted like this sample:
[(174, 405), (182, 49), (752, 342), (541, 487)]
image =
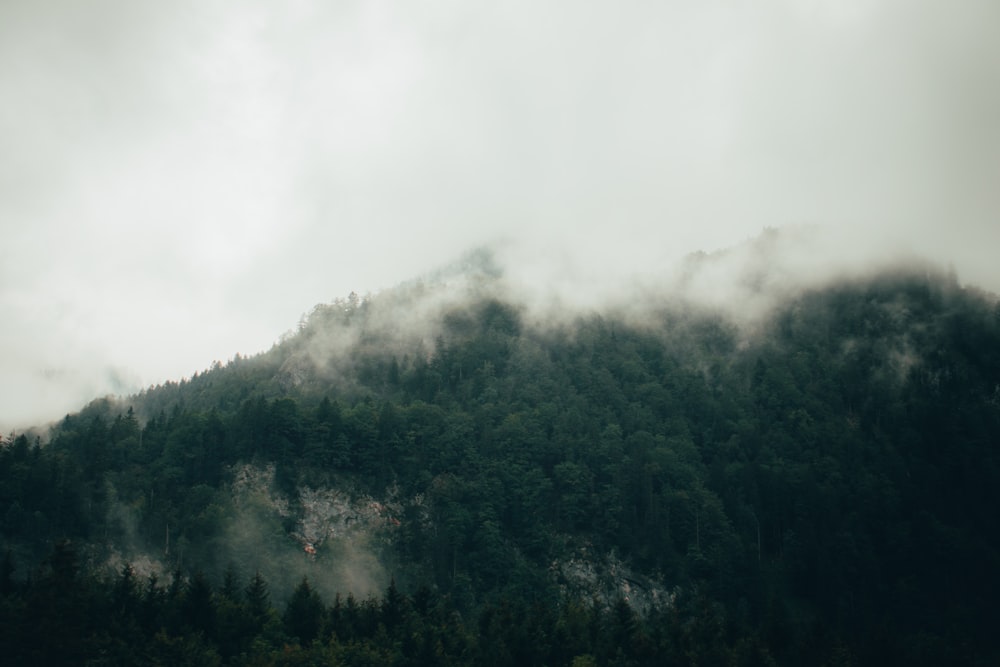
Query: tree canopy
[(818, 488)]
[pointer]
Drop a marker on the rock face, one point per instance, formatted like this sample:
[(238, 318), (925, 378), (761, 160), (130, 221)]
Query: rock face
[(325, 522), (606, 579), (295, 371), (332, 513), (320, 515), (335, 536)]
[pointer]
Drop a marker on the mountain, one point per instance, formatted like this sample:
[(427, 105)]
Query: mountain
[(500, 478)]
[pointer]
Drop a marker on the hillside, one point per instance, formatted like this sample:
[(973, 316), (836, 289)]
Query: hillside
[(652, 480)]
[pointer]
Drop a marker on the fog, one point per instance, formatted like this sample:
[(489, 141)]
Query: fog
[(180, 181), (347, 529)]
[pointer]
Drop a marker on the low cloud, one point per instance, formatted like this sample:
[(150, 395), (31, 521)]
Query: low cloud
[(180, 181)]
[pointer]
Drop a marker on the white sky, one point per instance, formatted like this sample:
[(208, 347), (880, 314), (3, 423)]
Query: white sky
[(180, 180)]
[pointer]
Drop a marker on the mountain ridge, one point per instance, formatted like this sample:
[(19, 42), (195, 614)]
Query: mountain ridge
[(813, 467)]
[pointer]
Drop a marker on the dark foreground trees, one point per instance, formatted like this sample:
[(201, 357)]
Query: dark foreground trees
[(66, 617)]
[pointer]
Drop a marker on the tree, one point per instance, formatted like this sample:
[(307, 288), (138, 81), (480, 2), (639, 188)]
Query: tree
[(258, 601), (394, 606), (199, 605), (303, 615)]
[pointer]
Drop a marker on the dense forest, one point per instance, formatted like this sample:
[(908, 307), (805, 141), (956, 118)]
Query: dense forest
[(418, 479)]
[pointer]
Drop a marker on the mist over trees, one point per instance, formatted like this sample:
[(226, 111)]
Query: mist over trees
[(653, 482)]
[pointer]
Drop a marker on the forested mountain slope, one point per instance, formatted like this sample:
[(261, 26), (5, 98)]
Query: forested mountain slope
[(653, 481)]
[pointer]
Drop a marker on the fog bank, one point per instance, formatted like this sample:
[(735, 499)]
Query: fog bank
[(180, 181)]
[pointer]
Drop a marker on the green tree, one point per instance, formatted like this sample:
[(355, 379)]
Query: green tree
[(303, 615)]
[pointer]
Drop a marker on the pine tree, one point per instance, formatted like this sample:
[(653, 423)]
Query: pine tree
[(304, 613)]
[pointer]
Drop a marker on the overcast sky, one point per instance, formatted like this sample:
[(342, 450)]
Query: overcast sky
[(180, 180)]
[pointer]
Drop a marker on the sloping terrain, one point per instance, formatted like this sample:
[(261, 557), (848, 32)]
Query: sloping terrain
[(816, 481)]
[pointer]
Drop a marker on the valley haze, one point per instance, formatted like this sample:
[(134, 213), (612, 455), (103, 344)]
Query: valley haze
[(180, 182)]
